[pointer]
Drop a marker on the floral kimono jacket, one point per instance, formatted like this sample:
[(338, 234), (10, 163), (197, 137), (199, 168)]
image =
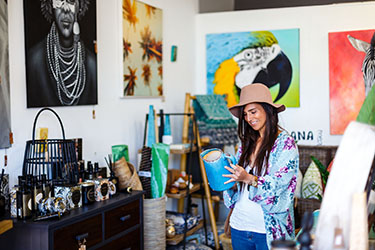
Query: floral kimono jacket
[(275, 189)]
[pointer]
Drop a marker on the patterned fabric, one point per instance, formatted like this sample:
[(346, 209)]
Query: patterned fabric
[(275, 189), (312, 183), (214, 107), (214, 120)]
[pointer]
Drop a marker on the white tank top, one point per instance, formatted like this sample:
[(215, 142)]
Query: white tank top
[(247, 215)]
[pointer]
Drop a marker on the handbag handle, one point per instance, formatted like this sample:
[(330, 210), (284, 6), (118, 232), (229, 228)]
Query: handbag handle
[(36, 118)]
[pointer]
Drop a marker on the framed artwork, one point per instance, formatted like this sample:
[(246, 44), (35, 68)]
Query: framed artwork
[(237, 59), (142, 50), (5, 129), (346, 83), (60, 42)]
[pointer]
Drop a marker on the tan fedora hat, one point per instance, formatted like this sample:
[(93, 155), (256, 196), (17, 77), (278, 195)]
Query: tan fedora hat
[(255, 92)]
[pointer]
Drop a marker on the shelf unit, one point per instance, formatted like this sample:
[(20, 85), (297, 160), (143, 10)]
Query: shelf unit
[(180, 237), (199, 141), (182, 193), (177, 151), (188, 146)]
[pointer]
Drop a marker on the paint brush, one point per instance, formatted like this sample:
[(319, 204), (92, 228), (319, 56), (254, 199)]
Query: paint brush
[(109, 163), (105, 158)]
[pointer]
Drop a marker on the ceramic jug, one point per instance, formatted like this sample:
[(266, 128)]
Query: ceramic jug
[(214, 162)]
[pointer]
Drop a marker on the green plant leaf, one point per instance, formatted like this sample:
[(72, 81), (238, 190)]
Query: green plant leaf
[(367, 111), (320, 198), (322, 169)]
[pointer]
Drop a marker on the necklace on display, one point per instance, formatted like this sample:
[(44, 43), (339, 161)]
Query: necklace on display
[(67, 68)]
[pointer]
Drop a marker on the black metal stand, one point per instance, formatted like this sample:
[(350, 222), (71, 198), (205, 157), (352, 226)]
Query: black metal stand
[(193, 137)]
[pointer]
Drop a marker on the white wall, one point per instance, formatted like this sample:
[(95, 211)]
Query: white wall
[(118, 121), (314, 24), (122, 120)]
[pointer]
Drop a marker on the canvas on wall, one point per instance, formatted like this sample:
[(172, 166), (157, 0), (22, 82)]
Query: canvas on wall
[(237, 59), (346, 83), (60, 42), (142, 50), (5, 129)]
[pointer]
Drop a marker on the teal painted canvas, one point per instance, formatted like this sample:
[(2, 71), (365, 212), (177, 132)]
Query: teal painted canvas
[(237, 59)]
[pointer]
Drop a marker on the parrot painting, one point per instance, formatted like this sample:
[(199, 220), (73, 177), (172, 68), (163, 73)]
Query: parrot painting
[(253, 58)]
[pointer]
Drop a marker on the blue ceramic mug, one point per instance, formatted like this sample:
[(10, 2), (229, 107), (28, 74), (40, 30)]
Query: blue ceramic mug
[(214, 162)]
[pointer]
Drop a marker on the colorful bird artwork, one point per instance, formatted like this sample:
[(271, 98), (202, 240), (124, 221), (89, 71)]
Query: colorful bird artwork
[(368, 65), (351, 75), (235, 60)]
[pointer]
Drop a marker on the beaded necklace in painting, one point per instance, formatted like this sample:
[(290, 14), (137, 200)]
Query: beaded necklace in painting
[(67, 68)]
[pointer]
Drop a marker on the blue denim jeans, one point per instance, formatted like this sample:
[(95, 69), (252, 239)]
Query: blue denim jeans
[(248, 240)]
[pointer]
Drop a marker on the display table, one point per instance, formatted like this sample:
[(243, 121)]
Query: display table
[(116, 223)]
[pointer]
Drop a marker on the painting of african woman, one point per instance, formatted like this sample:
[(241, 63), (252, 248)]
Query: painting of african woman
[(235, 60), (142, 50), (4, 78), (60, 42)]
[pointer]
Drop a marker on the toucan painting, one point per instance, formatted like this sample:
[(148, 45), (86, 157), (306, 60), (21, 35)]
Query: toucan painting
[(235, 60)]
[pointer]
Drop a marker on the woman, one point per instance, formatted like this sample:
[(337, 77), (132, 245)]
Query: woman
[(262, 200)]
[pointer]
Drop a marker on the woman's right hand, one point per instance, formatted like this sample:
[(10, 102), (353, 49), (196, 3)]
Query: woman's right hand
[(238, 173)]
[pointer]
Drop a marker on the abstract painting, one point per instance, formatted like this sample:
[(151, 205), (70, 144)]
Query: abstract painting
[(60, 39), (5, 129), (271, 57), (346, 83), (142, 50)]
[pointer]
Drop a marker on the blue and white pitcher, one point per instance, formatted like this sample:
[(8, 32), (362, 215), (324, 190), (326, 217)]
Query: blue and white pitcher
[(215, 160)]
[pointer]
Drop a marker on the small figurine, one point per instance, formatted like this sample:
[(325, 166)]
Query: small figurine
[(305, 238)]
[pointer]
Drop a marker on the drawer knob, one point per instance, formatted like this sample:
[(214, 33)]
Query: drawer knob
[(126, 217), (82, 236)]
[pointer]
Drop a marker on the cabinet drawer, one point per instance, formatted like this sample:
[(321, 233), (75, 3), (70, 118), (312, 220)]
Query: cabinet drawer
[(91, 229), (130, 241), (122, 218)]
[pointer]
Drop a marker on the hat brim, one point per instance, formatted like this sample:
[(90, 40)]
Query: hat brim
[(235, 110)]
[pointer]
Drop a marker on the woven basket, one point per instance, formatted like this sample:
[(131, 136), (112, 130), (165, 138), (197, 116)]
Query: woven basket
[(226, 242), (324, 154), (54, 157), (154, 224), (303, 206), (127, 175)]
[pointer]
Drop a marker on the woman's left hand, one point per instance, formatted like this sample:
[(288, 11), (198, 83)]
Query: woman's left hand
[(238, 174)]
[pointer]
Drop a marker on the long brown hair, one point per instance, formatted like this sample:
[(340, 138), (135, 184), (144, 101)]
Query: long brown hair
[(249, 137)]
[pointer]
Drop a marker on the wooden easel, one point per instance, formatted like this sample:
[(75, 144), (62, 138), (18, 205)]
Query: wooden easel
[(185, 139)]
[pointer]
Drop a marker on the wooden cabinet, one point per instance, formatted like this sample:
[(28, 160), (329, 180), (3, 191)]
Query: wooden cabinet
[(116, 223), (90, 229), (120, 219)]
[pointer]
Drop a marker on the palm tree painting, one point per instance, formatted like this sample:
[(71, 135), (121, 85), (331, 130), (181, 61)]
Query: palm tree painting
[(142, 49), (130, 82)]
